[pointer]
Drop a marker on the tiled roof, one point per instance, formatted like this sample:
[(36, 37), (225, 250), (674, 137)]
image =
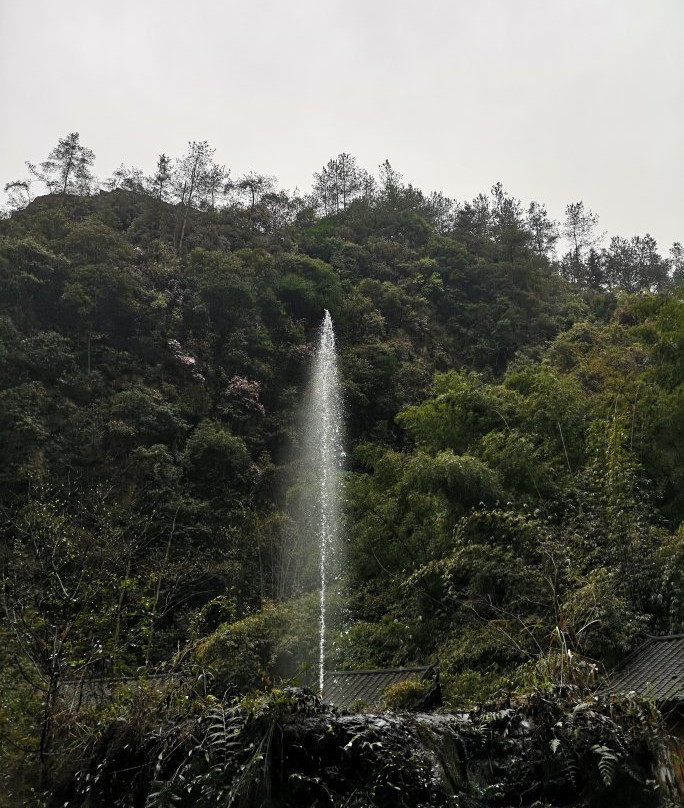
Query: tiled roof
[(344, 689), (656, 669)]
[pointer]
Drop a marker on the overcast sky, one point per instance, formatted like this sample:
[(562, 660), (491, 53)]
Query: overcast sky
[(560, 100)]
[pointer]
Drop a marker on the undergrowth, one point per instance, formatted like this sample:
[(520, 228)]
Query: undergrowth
[(175, 746)]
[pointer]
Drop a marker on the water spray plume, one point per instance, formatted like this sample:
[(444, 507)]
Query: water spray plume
[(325, 442)]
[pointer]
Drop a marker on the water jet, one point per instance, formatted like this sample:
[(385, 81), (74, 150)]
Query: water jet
[(324, 456)]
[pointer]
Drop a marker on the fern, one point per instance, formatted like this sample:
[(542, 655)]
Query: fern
[(607, 763), (571, 770), (222, 738)]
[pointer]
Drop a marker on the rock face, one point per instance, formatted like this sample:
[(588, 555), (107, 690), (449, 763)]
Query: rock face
[(502, 758), (288, 750)]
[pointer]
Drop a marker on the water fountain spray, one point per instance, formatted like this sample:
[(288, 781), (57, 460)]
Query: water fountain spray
[(325, 441)]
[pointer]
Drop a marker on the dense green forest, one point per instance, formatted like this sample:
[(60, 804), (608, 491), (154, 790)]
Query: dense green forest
[(515, 428)]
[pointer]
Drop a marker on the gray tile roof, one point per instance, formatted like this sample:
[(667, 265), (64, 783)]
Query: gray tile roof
[(656, 669), (344, 689)]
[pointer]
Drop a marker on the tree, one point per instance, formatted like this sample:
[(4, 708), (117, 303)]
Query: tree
[(677, 263), (61, 562), (28, 270), (252, 187), (279, 210), (68, 167), (544, 231), (215, 183), (192, 177), (216, 461), (634, 265), (472, 222), (19, 193), (130, 179), (579, 228), (159, 183), (508, 225), (390, 179), (338, 183), (441, 209), (595, 271)]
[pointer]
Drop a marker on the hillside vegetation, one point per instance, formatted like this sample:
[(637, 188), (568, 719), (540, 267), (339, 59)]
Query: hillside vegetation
[(515, 429)]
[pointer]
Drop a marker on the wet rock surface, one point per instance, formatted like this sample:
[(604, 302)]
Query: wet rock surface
[(289, 750)]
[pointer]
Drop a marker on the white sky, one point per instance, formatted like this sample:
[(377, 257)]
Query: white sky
[(560, 100)]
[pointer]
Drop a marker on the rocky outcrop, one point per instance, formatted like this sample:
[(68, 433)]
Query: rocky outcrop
[(288, 750)]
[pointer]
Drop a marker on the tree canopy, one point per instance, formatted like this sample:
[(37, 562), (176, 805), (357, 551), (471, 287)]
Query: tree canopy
[(514, 425)]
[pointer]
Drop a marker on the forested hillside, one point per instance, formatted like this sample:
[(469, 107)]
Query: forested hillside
[(515, 429)]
